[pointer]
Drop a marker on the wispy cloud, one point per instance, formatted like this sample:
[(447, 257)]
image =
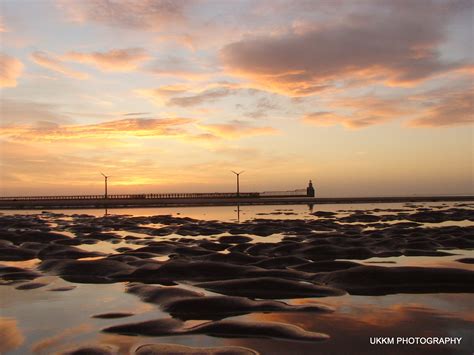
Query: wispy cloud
[(133, 14), (55, 64), (189, 67), (136, 114), (114, 60), (454, 109), (21, 112), (10, 69), (360, 112), (193, 94), (452, 105), (138, 127), (202, 97), (238, 129), (162, 94), (262, 108)]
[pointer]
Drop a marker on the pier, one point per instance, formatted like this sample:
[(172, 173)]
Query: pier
[(201, 199)]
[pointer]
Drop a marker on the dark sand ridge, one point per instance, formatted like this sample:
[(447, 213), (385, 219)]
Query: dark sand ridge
[(91, 350), (376, 280), (186, 304), (224, 328), (112, 315), (228, 261)]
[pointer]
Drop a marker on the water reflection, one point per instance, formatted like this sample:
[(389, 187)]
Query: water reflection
[(45, 345), (123, 344), (351, 328), (228, 213), (11, 336), (449, 261)]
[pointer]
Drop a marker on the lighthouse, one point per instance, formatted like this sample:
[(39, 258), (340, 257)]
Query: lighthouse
[(310, 189)]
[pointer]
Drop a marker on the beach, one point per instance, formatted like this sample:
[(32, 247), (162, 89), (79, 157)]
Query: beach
[(238, 280)]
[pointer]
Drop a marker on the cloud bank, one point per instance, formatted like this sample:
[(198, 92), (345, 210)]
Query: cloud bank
[(398, 47)]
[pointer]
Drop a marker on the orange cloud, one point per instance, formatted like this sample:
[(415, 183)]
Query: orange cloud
[(138, 127), (324, 119), (113, 60), (161, 94), (237, 129), (454, 110), (55, 64), (10, 69), (203, 137)]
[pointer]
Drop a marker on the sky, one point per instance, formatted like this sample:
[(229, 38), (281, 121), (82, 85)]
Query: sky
[(366, 98)]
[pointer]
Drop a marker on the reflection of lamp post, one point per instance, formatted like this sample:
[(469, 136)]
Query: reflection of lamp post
[(238, 183), (105, 177), (238, 213)]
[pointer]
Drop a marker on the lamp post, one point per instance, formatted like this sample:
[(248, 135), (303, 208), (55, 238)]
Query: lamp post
[(105, 177), (238, 182)]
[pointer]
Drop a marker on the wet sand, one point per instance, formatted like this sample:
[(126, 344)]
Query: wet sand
[(255, 282)]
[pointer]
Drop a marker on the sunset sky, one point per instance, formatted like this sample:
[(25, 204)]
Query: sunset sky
[(367, 98)]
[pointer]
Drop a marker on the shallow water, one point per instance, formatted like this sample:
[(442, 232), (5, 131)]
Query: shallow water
[(41, 321), (244, 212)]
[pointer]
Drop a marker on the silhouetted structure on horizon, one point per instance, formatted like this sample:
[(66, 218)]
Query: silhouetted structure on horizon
[(310, 189), (298, 193)]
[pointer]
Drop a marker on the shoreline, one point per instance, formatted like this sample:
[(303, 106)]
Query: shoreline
[(198, 202)]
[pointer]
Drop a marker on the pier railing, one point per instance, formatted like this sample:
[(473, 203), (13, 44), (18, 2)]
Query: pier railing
[(294, 193), (129, 196), (299, 192)]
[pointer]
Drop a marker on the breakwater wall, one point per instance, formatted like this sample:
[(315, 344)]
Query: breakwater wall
[(212, 201)]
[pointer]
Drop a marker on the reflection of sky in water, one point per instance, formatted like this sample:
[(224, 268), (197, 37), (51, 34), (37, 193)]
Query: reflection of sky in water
[(229, 213), (50, 321), (43, 315), (44, 322), (426, 261), (359, 318)]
